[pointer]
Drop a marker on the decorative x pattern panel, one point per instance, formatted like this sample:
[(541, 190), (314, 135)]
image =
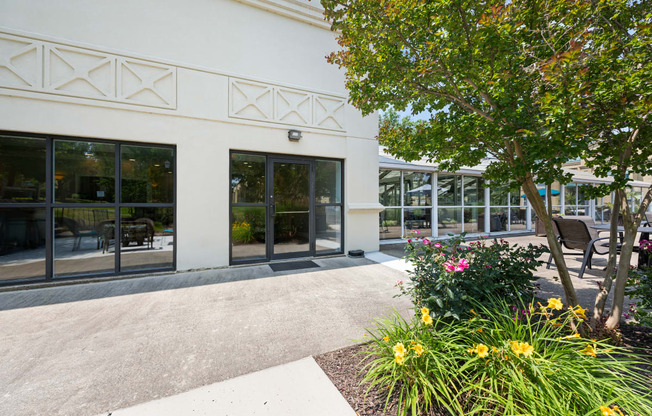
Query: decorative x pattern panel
[(262, 102), (21, 62), (53, 68)]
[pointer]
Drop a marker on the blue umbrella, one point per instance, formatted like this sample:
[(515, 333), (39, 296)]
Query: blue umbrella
[(542, 192)]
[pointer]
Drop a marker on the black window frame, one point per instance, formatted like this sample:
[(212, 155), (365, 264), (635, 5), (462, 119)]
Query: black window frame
[(50, 205)]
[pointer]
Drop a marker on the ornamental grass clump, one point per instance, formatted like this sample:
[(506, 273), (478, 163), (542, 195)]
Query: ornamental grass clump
[(501, 363)]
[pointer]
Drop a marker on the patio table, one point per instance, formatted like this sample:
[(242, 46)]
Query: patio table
[(643, 257)]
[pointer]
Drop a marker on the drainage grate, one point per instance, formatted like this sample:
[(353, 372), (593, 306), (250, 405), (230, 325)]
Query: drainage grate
[(293, 265)]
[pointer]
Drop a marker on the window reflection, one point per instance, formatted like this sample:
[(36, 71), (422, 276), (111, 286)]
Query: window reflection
[(22, 169), (328, 222), (450, 221), (22, 243), (147, 174), (390, 223), (84, 241), (247, 178), (418, 219), (84, 171), (449, 189), (147, 238), (473, 191), (328, 181), (418, 189), (248, 233), (389, 188)]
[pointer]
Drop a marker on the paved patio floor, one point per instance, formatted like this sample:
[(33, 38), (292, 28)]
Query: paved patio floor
[(92, 348)]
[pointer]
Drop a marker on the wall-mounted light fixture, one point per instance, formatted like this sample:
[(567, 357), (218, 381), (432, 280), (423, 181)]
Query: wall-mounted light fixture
[(294, 135)]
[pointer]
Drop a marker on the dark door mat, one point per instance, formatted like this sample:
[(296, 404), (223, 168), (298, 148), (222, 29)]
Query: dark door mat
[(293, 265)]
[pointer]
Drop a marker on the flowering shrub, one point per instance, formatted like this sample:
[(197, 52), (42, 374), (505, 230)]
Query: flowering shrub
[(241, 232), (639, 289), (449, 278), (494, 364)]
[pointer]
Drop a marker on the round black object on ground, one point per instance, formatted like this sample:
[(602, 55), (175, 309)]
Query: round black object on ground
[(356, 253)]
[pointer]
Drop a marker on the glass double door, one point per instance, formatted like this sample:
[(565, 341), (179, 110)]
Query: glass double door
[(284, 207)]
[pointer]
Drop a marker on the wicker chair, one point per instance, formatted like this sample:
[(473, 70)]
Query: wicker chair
[(575, 234)]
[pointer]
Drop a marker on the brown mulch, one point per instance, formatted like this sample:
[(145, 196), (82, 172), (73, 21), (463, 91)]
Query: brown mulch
[(343, 368)]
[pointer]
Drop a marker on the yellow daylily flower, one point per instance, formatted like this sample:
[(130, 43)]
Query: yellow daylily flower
[(575, 335), (427, 319), (555, 303), (399, 359), (589, 350), (386, 339), (425, 311), (479, 329), (418, 349), (523, 348), (399, 349), (482, 350)]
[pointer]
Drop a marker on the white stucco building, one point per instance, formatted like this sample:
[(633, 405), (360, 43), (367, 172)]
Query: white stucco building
[(154, 135)]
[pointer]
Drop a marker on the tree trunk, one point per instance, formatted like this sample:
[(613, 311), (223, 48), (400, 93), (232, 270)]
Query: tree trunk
[(532, 193), (630, 225), (607, 282)]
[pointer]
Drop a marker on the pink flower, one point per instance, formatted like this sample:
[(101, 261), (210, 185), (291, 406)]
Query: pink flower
[(486, 266), (437, 245), (409, 240), (462, 265), (449, 266), (426, 241), (417, 231)]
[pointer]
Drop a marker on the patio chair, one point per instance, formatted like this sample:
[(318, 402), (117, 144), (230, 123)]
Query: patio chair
[(575, 234)]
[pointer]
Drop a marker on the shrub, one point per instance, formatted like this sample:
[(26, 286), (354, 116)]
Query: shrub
[(502, 363), (450, 278), (639, 289)]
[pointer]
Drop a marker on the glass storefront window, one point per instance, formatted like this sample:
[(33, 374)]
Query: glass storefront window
[(247, 178), (449, 190), (498, 220), (22, 169), (328, 224), (147, 238), (147, 174), (22, 243), (389, 188), (328, 181), (248, 233), (77, 221), (450, 221), (84, 241), (390, 223), (499, 195), (473, 191), (417, 219), (517, 219), (84, 172), (473, 220), (570, 194), (418, 188)]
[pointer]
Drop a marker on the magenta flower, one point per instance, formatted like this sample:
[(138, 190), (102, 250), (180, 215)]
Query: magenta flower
[(409, 240), (449, 266), (462, 265), (437, 245), (426, 241), (417, 231)]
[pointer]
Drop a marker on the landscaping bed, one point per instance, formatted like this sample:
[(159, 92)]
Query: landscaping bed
[(343, 368)]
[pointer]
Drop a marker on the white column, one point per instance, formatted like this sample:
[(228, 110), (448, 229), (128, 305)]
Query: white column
[(562, 200), (528, 215), (434, 196), (487, 213)]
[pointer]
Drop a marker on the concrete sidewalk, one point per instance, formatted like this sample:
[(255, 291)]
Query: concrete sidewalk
[(294, 389), (92, 348)]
